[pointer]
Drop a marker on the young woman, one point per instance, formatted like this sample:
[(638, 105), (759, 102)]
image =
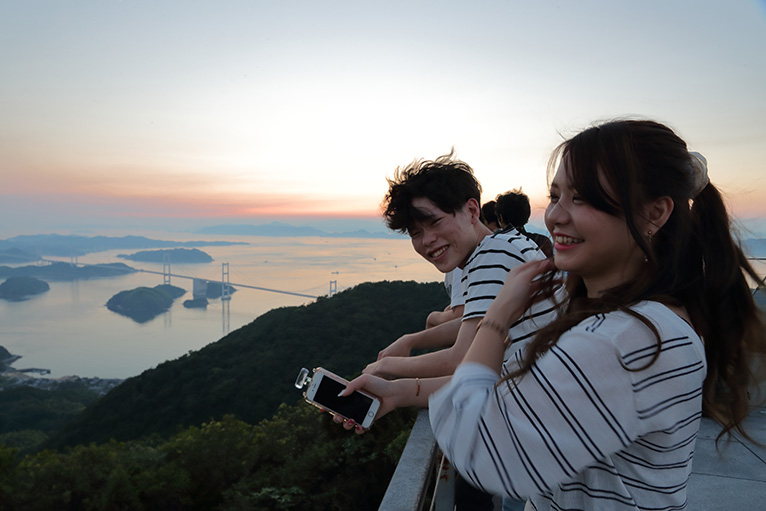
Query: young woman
[(601, 409)]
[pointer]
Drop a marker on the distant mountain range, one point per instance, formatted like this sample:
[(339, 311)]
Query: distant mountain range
[(755, 247), (18, 248), (281, 229), (27, 248)]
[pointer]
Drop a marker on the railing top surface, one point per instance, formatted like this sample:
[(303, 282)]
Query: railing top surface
[(408, 486)]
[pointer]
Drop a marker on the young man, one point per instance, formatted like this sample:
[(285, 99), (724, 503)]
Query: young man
[(437, 204), (513, 210)]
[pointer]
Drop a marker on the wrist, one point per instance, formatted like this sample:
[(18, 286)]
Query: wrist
[(498, 327), (408, 341)]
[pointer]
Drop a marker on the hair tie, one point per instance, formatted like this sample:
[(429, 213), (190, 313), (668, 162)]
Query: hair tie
[(700, 178)]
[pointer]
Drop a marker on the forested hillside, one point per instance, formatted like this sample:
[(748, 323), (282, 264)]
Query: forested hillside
[(209, 431), (251, 371)]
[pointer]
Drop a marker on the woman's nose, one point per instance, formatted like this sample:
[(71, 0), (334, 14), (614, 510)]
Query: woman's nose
[(555, 213)]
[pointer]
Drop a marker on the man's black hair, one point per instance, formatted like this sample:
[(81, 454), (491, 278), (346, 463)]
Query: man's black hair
[(513, 208), (446, 182)]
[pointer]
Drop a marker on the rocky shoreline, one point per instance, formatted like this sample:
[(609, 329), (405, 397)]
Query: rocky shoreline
[(11, 377), (100, 386)]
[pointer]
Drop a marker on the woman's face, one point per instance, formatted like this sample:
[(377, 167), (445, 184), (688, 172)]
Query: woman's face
[(588, 242)]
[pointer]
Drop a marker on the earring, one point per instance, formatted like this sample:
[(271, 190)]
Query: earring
[(648, 233)]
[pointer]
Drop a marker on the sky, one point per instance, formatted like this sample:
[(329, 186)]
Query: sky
[(179, 114)]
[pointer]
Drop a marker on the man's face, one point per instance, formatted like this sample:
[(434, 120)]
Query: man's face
[(446, 240)]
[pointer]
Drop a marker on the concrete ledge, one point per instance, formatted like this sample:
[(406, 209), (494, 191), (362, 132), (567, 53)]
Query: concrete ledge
[(409, 484)]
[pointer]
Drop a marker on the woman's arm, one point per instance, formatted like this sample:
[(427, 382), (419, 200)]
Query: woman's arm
[(508, 306), (392, 394)]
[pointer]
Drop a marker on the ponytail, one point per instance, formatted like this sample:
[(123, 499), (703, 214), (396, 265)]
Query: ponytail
[(724, 313)]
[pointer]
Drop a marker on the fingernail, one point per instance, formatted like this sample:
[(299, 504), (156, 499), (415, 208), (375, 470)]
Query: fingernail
[(351, 422), (340, 394)]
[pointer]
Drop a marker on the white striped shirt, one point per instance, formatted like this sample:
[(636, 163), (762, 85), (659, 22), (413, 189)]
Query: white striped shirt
[(486, 269), (587, 428), (454, 286)]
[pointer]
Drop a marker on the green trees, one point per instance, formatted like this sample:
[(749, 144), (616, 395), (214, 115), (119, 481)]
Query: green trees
[(223, 428), (19, 288), (298, 460), (143, 303)]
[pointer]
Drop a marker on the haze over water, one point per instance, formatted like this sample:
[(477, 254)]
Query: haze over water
[(69, 330)]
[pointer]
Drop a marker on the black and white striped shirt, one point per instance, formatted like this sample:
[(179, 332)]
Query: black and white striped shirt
[(487, 267), (589, 427)]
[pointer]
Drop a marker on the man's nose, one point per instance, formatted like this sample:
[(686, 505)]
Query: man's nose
[(429, 236)]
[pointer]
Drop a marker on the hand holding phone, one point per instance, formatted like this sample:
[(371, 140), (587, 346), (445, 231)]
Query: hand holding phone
[(323, 392)]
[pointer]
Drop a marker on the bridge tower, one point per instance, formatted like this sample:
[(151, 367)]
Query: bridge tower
[(225, 288), (333, 287), (225, 299), (166, 268)]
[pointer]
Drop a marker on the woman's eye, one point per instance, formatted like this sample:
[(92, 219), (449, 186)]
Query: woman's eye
[(553, 198)]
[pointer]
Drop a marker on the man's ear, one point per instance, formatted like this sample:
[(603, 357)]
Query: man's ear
[(657, 212), (474, 208)]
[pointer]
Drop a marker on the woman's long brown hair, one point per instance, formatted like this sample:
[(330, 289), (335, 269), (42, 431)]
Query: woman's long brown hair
[(693, 260)]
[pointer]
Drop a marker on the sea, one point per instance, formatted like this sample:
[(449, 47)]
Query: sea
[(69, 331)]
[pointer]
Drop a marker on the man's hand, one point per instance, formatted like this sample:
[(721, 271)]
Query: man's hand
[(384, 368), (398, 348)]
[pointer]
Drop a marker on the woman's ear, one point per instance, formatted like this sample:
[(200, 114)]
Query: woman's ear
[(657, 212)]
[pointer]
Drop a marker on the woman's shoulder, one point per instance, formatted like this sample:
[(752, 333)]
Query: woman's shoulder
[(633, 328)]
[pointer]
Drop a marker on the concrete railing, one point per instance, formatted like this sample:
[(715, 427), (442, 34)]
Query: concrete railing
[(409, 485)]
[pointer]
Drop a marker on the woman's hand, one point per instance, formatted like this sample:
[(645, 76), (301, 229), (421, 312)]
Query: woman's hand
[(513, 299), (388, 392)]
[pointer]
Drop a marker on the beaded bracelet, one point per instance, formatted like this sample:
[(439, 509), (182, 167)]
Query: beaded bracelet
[(492, 325)]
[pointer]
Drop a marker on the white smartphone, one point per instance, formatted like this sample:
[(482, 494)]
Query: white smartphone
[(323, 392)]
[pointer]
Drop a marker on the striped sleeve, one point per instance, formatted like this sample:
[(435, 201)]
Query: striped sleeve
[(557, 420)]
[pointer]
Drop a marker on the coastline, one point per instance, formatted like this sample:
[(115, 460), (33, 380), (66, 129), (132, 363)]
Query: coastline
[(11, 377)]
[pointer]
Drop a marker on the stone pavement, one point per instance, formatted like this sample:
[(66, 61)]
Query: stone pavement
[(733, 477)]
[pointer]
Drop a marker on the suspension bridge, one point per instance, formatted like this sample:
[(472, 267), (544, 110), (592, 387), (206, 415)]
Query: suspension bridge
[(167, 274)]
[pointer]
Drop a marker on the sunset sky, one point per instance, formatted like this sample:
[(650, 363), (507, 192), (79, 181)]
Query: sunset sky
[(181, 114)]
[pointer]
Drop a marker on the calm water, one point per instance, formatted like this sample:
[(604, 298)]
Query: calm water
[(70, 331)]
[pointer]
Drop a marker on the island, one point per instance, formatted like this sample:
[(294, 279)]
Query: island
[(16, 256), (196, 303), (20, 288), (71, 245), (144, 303), (175, 255), (66, 271), (204, 290), (215, 289)]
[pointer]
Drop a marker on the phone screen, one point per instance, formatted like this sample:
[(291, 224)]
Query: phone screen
[(354, 406)]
